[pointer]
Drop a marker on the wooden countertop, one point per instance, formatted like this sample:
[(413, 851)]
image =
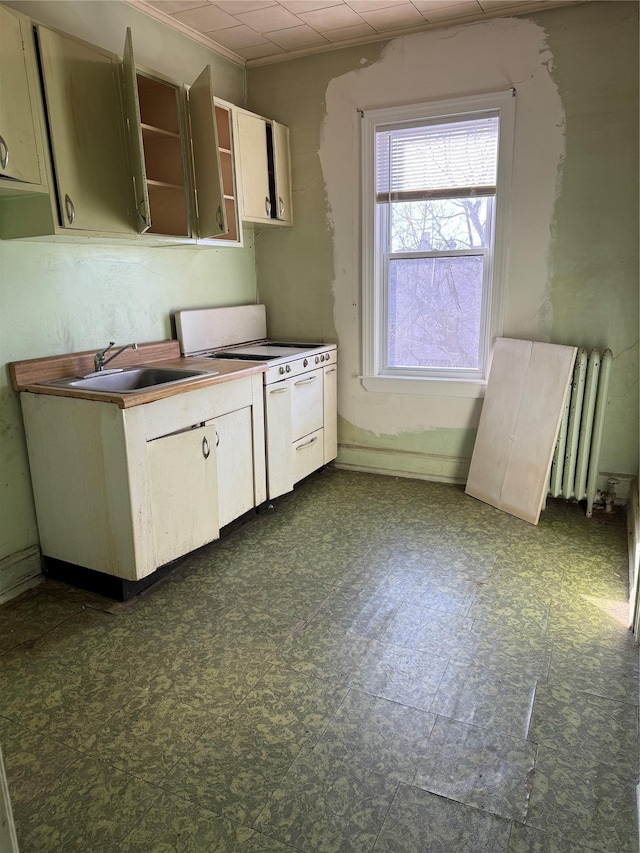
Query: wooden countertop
[(25, 375)]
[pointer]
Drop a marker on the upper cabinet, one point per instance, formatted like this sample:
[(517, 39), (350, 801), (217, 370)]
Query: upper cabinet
[(21, 149), (173, 136), (92, 144), (80, 84), (84, 165), (264, 161)]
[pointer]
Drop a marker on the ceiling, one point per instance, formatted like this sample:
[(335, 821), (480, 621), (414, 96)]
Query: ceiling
[(256, 32)]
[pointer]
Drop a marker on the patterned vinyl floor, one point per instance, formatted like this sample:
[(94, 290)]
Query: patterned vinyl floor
[(375, 664)]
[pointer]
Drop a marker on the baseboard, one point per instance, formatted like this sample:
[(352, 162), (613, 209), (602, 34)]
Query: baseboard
[(20, 571), (403, 463)]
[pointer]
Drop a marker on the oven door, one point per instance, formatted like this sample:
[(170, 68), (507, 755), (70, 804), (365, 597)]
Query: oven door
[(306, 404)]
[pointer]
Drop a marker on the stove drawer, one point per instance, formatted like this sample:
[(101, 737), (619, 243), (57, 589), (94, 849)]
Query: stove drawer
[(308, 455)]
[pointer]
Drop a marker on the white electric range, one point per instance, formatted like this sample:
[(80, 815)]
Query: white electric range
[(300, 386)]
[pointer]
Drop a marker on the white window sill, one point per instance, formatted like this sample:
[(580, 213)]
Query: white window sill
[(424, 387)]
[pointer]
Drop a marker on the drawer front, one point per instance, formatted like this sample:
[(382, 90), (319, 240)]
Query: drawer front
[(173, 414), (307, 408), (308, 455)]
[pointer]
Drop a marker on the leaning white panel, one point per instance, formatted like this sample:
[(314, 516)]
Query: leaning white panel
[(519, 425)]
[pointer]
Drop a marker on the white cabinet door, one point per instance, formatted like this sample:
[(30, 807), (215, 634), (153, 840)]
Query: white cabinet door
[(252, 145), (183, 492), (18, 131), (306, 404), (330, 413), (234, 456), (282, 168)]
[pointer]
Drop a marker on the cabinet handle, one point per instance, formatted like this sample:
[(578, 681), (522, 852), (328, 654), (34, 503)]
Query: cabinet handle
[(279, 391), (307, 443), (219, 218), (281, 207), (4, 156), (305, 381), (333, 370), (141, 208), (206, 450), (71, 211), (217, 438), (267, 205)]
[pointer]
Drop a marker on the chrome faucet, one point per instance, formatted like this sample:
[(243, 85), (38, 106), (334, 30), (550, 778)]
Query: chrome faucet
[(99, 360)]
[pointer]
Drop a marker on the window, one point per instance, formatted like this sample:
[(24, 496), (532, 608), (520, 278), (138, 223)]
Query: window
[(434, 215)]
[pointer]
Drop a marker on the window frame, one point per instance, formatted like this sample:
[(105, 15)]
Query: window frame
[(420, 380)]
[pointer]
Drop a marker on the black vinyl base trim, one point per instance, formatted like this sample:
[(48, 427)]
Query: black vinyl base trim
[(119, 588), (108, 585)]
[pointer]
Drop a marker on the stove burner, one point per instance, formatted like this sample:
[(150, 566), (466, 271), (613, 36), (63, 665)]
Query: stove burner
[(240, 356), (266, 351)]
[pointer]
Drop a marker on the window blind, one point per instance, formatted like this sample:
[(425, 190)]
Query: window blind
[(453, 159)]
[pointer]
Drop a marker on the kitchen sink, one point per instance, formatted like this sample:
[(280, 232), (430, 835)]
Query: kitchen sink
[(128, 379)]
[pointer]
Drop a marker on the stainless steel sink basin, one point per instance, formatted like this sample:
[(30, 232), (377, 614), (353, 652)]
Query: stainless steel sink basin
[(129, 379)]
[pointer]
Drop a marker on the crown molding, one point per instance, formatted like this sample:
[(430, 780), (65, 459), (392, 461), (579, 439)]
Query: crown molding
[(186, 31)]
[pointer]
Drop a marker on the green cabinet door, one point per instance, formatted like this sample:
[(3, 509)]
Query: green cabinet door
[(131, 103), (85, 125), (18, 124), (212, 218)]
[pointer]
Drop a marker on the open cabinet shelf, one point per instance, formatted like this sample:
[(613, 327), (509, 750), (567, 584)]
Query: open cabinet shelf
[(163, 156), (229, 190), (151, 133)]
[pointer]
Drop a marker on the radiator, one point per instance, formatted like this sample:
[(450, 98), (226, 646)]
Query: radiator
[(575, 466)]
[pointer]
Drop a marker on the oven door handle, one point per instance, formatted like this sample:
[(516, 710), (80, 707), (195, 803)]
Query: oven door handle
[(305, 381), (307, 443), (280, 390)]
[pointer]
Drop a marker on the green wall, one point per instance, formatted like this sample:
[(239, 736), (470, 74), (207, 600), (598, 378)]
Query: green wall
[(585, 284), (594, 253), (58, 297)]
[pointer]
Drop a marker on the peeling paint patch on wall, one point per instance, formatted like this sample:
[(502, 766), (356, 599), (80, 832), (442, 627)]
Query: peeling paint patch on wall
[(436, 65)]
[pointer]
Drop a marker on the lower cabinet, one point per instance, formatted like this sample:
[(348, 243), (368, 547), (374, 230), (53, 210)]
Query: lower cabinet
[(125, 491)]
